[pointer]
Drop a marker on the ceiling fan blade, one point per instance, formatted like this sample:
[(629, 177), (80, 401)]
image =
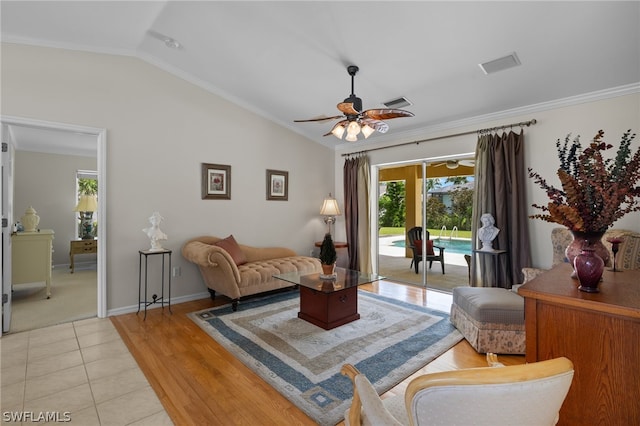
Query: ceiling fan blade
[(380, 126), (319, 119), (347, 108), (343, 122), (451, 164), (386, 113)]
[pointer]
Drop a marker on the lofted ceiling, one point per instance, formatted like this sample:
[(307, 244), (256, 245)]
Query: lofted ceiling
[(287, 60)]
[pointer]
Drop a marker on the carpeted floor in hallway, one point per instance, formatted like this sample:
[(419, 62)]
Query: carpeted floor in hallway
[(73, 297)]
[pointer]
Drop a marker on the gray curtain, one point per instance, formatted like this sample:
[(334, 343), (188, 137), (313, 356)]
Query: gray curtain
[(500, 190), (356, 211)]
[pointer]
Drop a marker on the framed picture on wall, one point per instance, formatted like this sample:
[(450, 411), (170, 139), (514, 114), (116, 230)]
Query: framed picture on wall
[(216, 182), (277, 185)]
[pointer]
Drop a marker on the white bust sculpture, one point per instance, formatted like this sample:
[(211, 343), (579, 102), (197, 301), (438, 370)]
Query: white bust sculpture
[(154, 233), (488, 232)]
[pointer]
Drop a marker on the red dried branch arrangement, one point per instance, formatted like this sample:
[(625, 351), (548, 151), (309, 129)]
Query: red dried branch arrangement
[(595, 191)]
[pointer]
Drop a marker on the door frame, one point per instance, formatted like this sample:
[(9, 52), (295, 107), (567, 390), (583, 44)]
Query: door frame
[(7, 217), (101, 140)]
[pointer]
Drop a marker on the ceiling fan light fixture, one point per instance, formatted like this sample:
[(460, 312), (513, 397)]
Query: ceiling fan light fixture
[(353, 128), (452, 164), (367, 130), (338, 131), (356, 120)]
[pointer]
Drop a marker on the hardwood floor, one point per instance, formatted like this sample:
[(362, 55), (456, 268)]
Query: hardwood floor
[(199, 382)]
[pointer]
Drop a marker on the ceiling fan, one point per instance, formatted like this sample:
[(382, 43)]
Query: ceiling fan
[(354, 120), (453, 164)]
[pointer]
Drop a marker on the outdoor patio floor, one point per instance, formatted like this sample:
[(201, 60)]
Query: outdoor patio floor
[(393, 265)]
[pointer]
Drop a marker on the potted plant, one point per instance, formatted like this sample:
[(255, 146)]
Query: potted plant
[(595, 191), (328, 256)]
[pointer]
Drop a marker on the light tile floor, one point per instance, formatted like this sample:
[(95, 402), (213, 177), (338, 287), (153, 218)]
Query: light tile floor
[(80, 371)]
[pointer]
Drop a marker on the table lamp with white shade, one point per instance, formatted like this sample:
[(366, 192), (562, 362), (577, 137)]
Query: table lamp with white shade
[(330, 210), (87, 204)]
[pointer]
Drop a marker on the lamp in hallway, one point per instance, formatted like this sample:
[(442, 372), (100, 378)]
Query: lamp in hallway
[(87, 204), (330, 210)]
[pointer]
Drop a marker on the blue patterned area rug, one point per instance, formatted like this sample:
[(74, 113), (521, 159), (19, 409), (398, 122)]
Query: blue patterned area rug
[(391, 341)]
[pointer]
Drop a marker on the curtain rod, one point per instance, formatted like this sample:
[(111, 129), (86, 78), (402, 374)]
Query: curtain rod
[(470, 132)]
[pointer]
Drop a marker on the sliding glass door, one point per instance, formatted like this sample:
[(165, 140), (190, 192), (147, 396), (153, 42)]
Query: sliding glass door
[(435, 195)]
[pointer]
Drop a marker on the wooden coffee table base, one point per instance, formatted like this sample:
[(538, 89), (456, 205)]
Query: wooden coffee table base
[(329, 310)]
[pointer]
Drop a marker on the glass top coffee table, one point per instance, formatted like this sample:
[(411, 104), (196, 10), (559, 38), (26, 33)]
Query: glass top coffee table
[(329, 303)]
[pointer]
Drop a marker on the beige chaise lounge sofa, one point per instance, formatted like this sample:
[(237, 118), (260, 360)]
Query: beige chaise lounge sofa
[(237, 270)]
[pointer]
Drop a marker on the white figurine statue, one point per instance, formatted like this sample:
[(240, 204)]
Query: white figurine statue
[(488, 232), (154, 233)]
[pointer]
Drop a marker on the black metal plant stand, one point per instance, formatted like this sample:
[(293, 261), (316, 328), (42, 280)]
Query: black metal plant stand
[(154, 297)]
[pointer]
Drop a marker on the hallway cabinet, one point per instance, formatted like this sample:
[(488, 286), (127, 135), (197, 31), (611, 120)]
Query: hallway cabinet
[(31, 257)]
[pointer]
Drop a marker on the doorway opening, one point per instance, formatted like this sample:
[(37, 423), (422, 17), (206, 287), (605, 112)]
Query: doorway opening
[(12, 127)]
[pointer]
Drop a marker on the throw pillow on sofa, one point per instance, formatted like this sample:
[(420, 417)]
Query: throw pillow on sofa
[(230, 245)]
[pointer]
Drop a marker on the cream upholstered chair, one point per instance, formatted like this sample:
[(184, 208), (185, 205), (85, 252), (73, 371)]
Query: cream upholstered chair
[(528, 394)]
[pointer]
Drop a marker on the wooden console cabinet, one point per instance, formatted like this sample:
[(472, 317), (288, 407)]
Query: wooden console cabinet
[(599, 333), (31, 257)]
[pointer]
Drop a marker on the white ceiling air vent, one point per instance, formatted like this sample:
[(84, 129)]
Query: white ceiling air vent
[(500, 64), (397, 103)]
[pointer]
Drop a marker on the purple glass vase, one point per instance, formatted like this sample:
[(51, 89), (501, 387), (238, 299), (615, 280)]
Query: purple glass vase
[(589, 267), (592, 240)]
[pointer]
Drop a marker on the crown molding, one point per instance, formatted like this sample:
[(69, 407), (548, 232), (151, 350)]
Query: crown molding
[(68, 46)]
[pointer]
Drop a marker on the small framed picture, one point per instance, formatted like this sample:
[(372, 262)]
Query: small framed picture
[(277, 185), (216, 182)]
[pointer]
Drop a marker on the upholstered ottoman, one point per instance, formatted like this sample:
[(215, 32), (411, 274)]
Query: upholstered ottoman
[(491, 319)]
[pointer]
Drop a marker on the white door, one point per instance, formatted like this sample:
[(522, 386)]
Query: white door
[(7, 226)]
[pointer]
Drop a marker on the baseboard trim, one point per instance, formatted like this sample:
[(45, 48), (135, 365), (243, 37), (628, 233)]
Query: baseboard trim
[(174, 301)]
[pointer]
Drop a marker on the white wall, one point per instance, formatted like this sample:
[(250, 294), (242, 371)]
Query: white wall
[(48, 183), (159, 130), (614, 116)]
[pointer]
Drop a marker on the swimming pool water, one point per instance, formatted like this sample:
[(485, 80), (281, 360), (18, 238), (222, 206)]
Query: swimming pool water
[(451, 246)]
